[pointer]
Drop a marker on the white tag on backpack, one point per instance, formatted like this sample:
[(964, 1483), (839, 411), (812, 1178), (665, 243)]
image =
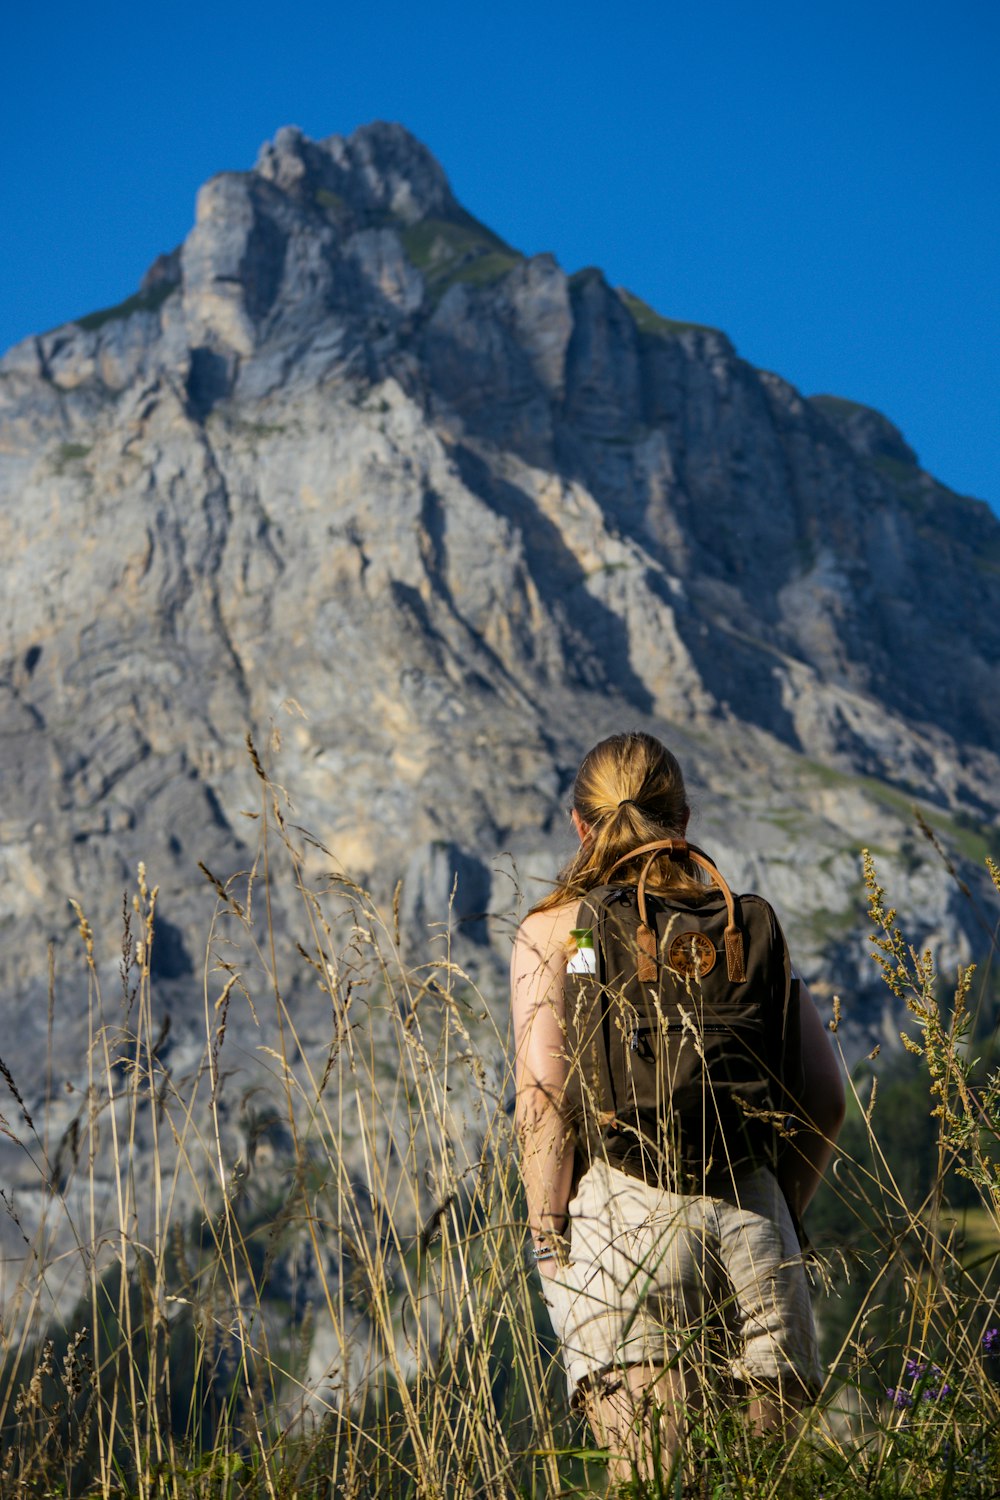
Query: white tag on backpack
[(583, 961)]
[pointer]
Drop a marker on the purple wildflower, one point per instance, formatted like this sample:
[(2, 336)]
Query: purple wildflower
[(991, 1341), (926, 1381)]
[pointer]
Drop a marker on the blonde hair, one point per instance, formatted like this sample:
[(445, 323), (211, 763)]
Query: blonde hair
[(629, 790)]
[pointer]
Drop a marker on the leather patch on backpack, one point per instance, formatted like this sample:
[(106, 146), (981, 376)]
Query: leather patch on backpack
[(692, 955), (646, 944), (735, 958)]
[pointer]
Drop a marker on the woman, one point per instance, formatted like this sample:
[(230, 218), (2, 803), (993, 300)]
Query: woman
[(643, 1283)]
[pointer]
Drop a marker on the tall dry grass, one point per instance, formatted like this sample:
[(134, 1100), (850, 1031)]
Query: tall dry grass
[(284, 1267)]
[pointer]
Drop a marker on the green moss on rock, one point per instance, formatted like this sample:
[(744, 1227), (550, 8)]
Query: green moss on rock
[(446, 251), (651, 323), (148, 301), (332, 202)]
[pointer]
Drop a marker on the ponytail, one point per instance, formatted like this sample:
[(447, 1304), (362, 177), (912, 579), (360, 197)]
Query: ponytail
[(629, 791)]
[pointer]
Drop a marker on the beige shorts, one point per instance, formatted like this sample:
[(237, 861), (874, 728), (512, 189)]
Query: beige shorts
[(655, 1276)]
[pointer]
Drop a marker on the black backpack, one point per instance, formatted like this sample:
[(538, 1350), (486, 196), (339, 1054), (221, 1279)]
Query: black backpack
[(681, 1028)]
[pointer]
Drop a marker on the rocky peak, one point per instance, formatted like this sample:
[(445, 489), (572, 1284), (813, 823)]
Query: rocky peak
[(380, 170)]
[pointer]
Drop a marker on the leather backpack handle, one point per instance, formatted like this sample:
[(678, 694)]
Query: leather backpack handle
[(678, 849)]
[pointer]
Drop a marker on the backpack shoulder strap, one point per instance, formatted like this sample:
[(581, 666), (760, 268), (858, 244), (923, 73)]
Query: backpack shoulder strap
[(588, 1023)]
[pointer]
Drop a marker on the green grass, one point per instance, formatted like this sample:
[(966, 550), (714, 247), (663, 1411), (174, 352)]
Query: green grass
[(975, 841), (977, 1232), (895, 469), (937, 511), (69, 453), (828, 926), (908, 484), (150, 301), (653, 325), (332, 202), (483, 270), (435, 240), (223, 418), (838, 404), (967, 837), (817, 770), (448, 251)]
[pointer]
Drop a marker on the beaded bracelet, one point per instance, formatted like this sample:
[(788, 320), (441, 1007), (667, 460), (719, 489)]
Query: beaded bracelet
[(547, 1252)]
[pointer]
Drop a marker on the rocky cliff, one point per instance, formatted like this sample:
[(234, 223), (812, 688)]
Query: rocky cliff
[(349, 467)]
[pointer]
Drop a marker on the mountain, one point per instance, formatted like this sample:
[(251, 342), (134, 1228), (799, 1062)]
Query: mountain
[(351, 470)]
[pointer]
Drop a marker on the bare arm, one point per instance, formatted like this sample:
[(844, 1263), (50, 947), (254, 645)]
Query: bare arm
[(821, 1106), (537, 970)]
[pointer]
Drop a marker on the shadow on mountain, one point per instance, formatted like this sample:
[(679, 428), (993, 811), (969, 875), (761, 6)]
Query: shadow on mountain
[(597, 636)]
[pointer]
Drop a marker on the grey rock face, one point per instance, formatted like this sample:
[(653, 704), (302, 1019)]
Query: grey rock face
[(349, 466)]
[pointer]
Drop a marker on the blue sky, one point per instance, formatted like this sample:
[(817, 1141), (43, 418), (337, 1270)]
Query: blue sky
[(821, 181)]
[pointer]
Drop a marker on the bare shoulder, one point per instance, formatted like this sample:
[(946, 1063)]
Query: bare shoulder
[(538, 965), (547, 932)]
